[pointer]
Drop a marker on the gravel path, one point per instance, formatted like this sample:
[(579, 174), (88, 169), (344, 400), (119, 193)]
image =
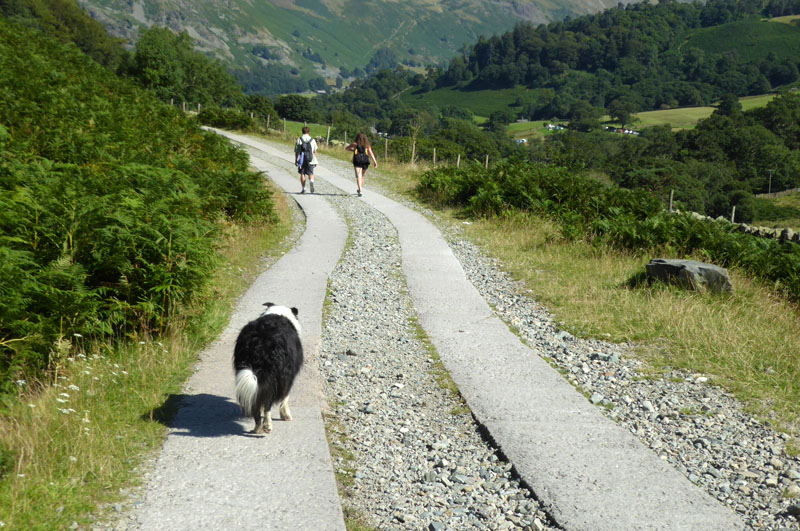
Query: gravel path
[(420, 461)]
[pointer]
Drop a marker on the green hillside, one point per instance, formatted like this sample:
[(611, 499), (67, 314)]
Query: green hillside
[(110, 203), (751, 40), (315, 37)]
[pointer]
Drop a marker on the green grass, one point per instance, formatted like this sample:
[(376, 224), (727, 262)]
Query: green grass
[(789, 19), (687, 117), (530, 130), (790, 203), (78, 439), (751, 39), (480, 102), (678, 118)]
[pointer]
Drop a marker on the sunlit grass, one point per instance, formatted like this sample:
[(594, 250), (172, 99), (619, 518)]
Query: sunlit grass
[(746, 341)]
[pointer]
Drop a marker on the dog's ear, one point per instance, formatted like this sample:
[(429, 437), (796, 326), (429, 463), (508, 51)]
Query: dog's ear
[(295, 312), (269, 304)]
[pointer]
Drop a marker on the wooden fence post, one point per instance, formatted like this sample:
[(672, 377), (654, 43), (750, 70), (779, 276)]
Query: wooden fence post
[(328, 137), (458, 161), (385, 149), (486, 164), (198, 108), (268, 122), (345, 138), (284, 125), (671, 193), (733, 213), (413, 151), (434, 157)]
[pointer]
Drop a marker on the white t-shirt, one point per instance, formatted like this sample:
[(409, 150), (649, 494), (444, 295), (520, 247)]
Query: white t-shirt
[(299, 146)]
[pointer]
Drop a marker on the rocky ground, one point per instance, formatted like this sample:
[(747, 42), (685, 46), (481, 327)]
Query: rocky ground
[(419, 462)]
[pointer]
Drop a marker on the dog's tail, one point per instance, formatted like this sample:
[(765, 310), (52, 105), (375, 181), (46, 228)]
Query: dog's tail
[(246, 390)]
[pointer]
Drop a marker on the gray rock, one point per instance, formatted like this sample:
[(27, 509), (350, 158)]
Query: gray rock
[(690, 274)]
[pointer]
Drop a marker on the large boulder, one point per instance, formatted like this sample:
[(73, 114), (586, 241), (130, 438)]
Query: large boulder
[(690, 274)]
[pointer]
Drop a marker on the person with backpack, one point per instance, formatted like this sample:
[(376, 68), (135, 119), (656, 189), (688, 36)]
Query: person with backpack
[(362, 153), (305, 157)]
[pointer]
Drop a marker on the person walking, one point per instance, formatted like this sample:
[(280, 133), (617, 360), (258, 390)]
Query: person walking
[(362, 153), (305, 157)]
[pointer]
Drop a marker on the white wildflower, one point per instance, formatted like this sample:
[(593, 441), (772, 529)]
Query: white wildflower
[(81, 355), (77, 335), (31, 405), (87, 373), (125, 373), (21, 382), (63, 395), (61, 401), (141, 342), (73, 459), (74, 387)]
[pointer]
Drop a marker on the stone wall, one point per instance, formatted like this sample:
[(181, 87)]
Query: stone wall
[(761, 232)]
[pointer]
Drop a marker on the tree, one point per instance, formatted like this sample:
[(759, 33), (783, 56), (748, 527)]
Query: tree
[(294, 107), (498, 121), (622, 111)]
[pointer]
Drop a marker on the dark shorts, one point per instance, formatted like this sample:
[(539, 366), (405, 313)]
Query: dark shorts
[(362, 166), (306, 169)]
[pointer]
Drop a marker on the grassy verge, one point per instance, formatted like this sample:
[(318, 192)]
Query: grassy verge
[(746, 341), (69, 445)]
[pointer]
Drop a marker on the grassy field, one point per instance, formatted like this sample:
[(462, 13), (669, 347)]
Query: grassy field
[(529, 130), (751, 39), (687, 117), (480, 102), (789, 19), (792, 221), (69, 445), (746, 342)]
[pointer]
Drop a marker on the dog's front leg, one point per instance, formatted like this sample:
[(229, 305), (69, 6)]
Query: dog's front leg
[(285, 413)]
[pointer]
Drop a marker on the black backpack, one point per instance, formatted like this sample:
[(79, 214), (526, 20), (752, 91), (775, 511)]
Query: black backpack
[(360, 157), (308, 153)]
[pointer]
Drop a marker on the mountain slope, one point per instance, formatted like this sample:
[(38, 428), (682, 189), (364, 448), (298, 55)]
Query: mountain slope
[(310, 36)]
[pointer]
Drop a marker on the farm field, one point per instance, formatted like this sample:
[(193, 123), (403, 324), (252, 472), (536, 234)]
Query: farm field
[(480, 102), (687, 117)]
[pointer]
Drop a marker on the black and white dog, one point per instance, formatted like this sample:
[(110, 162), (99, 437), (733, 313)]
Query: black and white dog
[(267, 357)]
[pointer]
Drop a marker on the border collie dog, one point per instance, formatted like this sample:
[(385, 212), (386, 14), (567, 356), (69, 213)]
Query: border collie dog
[(267, 357)]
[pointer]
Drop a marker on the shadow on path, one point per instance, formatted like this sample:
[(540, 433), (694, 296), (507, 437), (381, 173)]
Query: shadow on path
[(202, 415)]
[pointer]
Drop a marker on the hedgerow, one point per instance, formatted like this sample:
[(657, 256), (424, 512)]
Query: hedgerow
[(617, 217), (110, 203)]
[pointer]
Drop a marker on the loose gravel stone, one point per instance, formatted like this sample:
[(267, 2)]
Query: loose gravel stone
[(419, 458)]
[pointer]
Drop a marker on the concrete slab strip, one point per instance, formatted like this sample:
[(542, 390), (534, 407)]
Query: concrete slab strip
[(212, 474)]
